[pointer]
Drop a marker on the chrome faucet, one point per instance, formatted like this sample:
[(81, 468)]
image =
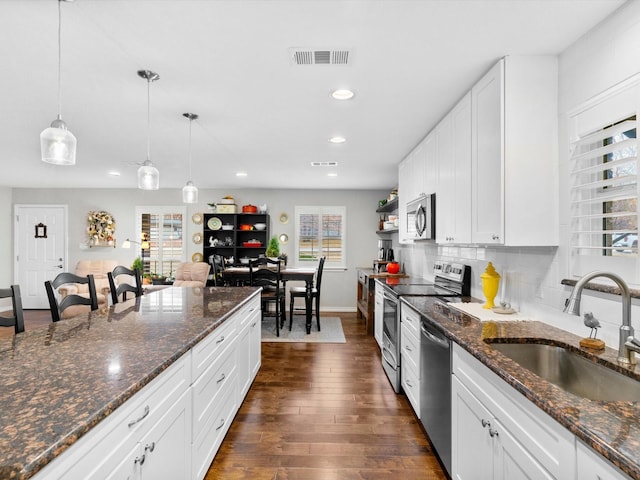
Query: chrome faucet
[(628, 343)]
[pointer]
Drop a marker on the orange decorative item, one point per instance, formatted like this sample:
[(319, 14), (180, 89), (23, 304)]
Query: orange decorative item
[(393, 267), (246, 227), (249, 209)]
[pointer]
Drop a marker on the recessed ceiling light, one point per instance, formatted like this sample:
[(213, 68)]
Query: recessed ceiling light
[(337, 139), (332, 174), (241, 174), (342, 94), (114, 173)]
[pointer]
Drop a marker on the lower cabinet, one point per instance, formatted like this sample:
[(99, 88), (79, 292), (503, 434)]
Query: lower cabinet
[(378, 314), (173, 427), (410, 355), (499, 434), (593, 467)]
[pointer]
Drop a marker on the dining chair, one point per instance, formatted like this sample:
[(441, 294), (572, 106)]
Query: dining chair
[(265, 273), (118, 289), (192, 274), (301, 292), (17, 319), (68, 305)]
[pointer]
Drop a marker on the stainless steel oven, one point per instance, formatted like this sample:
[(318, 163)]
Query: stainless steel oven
[(451, 280)]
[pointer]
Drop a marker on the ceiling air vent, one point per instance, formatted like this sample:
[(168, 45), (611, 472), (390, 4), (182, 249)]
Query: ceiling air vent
[(317, 56), (324, 164)]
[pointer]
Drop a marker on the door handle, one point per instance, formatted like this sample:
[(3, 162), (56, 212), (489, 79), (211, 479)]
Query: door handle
[(59, 266)]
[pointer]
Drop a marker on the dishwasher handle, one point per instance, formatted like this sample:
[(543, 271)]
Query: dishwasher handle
[(441, 342)]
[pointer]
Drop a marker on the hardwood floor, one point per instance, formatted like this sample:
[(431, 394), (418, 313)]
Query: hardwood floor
[(319, 412), (325, 411)]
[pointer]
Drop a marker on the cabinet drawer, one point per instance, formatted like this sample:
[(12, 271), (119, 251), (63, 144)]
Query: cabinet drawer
[(410, 348), (208, 350), (246, 312), (204, 448), (211, 385), (411, 386), (362, 277), (410, 318)]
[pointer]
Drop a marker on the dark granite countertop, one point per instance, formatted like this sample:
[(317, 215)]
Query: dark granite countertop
[(610, 428), (61, 380)]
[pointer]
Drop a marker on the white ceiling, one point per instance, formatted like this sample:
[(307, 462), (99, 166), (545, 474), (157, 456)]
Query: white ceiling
[(229, 61)]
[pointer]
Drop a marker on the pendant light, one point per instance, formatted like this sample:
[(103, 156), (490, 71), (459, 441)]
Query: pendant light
[(190, 191), (148, 175), (57, 143)]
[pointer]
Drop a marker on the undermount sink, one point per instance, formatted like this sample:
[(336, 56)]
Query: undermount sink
[(572, 372)]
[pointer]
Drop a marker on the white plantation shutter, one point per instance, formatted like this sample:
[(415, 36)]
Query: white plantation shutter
[(604, 191), (321, 232)]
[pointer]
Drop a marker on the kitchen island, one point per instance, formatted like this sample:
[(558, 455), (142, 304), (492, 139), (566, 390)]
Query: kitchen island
[(64, 382), (610, 428)]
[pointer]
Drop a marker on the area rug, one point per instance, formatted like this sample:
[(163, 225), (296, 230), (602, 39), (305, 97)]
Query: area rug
[(331, 331)]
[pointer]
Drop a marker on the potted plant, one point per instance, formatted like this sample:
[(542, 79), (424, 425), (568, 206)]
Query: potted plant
[(158, 279), (273, 249), (137, 265)]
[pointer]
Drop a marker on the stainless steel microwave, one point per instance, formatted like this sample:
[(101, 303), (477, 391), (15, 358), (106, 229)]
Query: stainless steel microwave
[(421, 219)]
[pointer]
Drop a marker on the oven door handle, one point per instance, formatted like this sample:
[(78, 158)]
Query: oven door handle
[(432, 338), (391, 361)]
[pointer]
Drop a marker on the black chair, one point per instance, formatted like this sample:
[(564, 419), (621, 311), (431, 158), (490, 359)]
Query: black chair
[(71, 299), (217, 265), (123, 288), (265, 273), (301, 292), (17, 320)]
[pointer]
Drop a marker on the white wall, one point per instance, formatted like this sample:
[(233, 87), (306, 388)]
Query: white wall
[(338, 287), (604, 57)]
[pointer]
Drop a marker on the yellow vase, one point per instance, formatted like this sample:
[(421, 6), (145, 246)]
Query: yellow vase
[(490, 282)]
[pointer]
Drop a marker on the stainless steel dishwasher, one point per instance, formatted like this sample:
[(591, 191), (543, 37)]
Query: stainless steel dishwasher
[(435, 390)]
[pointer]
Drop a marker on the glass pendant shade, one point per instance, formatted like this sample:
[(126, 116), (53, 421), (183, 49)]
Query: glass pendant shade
[(190, 193), (58, 144), (148, 176)]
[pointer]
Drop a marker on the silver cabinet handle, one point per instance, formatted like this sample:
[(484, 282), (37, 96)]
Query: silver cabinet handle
[(408, 382), (221, 378), (150, 448), (485, 423), (144, 415), (139, 460), (221, 424), (408, 349), (221, 340), (493, 433)]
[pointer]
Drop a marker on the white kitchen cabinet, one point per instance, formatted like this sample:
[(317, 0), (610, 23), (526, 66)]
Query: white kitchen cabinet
[(498, 432), (591, 466), (248, 352), (453, 198), (378, 314), (410, 355), (404, 179), (514, 155)]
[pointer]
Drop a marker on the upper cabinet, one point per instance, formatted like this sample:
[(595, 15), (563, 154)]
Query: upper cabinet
[(514, 160), (453, 198)]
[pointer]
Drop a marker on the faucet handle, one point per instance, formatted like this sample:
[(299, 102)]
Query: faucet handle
[(633, 343)]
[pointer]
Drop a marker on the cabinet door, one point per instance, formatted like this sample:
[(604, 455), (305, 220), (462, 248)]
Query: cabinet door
[(445, 195), (591, 466), (428, 170), (404, 177), (255, 345), (472, 449), (487, 153), (167, 445), (377, 324), (128, 469), (461, 121), (513, 461)]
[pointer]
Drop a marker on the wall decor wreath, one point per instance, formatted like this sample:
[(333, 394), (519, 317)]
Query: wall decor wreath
[(101, 227)]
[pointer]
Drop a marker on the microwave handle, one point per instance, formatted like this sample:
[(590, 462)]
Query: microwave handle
[(421, 220)]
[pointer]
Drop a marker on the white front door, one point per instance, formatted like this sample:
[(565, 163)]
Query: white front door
[(40, 246)]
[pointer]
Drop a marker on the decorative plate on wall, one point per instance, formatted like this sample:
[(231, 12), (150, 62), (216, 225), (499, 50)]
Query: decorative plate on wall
[(284, 238), (197, 238), (284, 218), (197, 218), (197, 257)]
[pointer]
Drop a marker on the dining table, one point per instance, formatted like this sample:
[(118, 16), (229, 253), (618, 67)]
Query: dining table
[(239, 275)]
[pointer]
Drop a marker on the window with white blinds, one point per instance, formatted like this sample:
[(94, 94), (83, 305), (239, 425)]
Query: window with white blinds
[(163, 227), (320, 231), (604, 191)]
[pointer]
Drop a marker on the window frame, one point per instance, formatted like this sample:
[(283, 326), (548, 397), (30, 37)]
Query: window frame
[(602, 111), (322, 210), (161, 210)]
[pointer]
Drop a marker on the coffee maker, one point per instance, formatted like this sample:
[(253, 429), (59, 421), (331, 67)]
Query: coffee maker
[(385, 252)]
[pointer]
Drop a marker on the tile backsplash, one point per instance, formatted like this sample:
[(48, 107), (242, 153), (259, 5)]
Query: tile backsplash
[(530, 282)]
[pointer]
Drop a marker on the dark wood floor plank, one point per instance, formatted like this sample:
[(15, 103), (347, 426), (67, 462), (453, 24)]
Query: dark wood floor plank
[(325, 411)]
